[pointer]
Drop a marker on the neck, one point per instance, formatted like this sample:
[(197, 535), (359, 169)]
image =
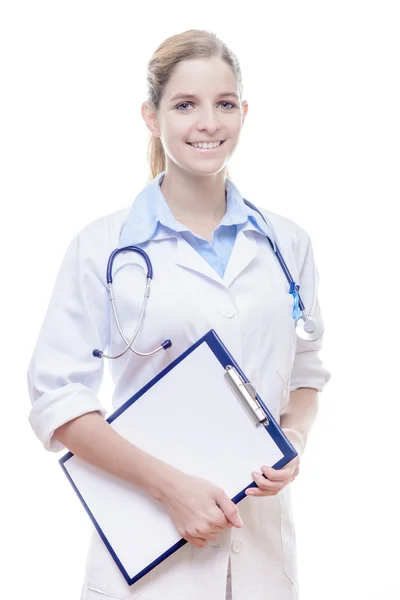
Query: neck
[(195, 197)]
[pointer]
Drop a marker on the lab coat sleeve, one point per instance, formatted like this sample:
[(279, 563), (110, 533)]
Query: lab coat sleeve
[(308, 369), (63, 375)]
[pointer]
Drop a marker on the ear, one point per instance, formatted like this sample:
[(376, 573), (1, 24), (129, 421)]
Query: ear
[(245, 108), (150, 118)]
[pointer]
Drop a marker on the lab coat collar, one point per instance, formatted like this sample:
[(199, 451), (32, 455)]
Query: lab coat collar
[(151, 218), (243, 252)]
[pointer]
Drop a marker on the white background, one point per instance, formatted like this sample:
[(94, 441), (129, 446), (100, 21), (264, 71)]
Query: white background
[(320, 145)]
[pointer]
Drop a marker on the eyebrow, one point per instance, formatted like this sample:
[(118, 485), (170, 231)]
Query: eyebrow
[(193, 96)]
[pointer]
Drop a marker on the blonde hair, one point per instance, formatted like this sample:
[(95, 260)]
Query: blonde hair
[(193, 43)]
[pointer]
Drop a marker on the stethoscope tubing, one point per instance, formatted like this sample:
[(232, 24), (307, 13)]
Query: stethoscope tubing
[(294, 289), (115, 253), (287, 273)]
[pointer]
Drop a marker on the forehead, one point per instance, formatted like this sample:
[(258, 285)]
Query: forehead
[(199, 75)]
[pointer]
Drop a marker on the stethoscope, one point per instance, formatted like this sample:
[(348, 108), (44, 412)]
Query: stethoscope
[(307, 327)]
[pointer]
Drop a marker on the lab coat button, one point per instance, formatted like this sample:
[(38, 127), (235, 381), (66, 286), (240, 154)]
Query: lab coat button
[(227, 312), (237, 546)]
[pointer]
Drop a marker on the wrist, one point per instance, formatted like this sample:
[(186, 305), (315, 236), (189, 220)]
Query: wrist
[(161, 483)]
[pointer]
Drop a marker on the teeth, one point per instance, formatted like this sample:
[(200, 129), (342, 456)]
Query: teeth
[(211, 145)]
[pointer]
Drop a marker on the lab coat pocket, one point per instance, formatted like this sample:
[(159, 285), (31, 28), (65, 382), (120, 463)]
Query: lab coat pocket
[(288, 536), (105, 579)]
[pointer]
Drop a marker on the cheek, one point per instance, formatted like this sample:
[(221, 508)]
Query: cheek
[(175, 149), (233, 131), (232, 144), (233, 122), (175, 131)]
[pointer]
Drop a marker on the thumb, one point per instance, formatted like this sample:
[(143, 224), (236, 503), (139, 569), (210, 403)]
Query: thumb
[(229, 509)]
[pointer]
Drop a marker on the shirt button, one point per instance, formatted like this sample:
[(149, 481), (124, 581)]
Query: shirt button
[(237, 546), (227, 311)]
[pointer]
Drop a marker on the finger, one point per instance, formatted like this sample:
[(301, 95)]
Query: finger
[(205, 532), (209, 535), (226, 525), (229, 509), (218, 519), (265, 484), (278, 475), (258, 493), (217, 529), (201, 539), (195, 541)]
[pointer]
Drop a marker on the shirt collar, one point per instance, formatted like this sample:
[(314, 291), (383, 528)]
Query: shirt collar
[(150, 210)]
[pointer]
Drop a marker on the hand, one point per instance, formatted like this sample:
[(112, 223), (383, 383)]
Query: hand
[(199, 509), (276, 479)]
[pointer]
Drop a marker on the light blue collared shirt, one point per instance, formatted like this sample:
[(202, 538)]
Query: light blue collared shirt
[(150, 212)]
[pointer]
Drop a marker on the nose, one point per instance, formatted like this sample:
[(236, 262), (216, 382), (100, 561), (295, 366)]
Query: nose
[(208, 120)]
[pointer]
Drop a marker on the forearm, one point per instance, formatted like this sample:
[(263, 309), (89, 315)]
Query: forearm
[(91, 438), (300, 413)]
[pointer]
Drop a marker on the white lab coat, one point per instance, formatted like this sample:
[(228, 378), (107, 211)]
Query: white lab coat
[(251, 311)]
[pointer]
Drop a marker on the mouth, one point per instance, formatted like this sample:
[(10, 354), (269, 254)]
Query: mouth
[(206, 150)]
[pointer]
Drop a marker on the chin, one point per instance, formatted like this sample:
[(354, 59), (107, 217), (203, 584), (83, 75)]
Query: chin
[(209, 171), (207, 167)]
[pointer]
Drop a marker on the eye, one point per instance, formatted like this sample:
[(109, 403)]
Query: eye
[(231, 105), (183, 104)]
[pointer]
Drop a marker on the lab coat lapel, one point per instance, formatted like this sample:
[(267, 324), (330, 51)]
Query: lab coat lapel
[(188, 258), (244, 250)]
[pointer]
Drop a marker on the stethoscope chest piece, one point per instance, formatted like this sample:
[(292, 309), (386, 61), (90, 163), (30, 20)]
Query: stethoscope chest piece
[(309, 329)]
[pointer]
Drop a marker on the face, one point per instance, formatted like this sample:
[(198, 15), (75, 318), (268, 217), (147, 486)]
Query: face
[(200, 103)]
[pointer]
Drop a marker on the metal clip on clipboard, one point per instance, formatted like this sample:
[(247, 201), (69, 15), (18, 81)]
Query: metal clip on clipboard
[(246, 394)]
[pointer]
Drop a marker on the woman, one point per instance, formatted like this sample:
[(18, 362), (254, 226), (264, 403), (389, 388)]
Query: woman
[(214, 268)]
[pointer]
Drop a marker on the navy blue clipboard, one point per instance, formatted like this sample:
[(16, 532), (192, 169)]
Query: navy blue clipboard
[(225, 358)]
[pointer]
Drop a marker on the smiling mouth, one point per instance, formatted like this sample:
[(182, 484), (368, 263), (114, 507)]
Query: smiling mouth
[(213, 148)]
